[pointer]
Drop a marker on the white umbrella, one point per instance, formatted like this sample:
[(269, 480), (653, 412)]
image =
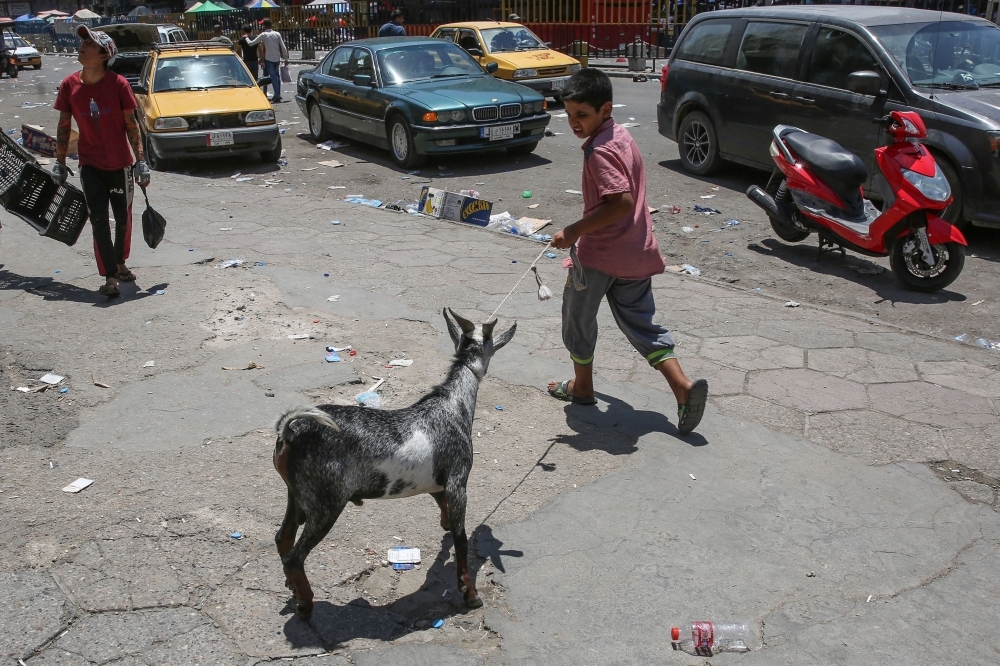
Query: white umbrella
[(86, 14)]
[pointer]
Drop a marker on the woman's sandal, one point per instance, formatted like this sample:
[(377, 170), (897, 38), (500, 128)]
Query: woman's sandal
[(109, 290), (689, 414), (561, 392), (127, 276)]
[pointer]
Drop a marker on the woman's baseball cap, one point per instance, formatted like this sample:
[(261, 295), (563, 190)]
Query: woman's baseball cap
[(102, 39)]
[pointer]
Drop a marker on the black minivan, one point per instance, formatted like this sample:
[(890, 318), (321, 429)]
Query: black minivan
[(735, 74)]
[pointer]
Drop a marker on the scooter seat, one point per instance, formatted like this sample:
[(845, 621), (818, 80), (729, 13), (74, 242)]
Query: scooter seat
[(840, 169)]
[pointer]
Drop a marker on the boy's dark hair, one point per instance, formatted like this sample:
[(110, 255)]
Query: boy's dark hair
[(217, 26), (590, 86), (267, 23), (396, 13), (247, 29)]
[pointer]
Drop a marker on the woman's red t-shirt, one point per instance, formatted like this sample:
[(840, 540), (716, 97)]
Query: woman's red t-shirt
[(99, 109)]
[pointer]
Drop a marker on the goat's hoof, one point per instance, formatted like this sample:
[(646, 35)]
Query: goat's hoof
[(473, 600), (305, 611)]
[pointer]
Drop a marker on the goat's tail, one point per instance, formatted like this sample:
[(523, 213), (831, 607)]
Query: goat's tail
[(284, 425)]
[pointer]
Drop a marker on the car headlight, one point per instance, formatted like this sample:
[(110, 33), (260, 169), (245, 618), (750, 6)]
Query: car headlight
[(532, 107), (573, 69), (994, 140), (935, 187), (455, 116), (525, 73), (175, 123), (266, 116)]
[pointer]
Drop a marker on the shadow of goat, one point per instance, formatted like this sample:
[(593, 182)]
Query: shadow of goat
[(331, 455)]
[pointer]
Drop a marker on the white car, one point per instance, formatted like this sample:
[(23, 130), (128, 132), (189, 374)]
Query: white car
[(26, 54)]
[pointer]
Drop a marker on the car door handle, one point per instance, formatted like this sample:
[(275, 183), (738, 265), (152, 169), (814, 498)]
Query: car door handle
[(805, 100), (778, 94)]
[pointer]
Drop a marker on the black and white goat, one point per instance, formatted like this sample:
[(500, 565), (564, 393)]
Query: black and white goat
[(330, 455)]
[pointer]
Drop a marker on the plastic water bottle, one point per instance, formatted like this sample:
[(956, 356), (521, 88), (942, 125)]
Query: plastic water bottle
[(705, 639)]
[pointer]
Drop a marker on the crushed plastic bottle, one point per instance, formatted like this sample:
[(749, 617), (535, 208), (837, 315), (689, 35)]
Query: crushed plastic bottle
[(706, 639), (369, 399)]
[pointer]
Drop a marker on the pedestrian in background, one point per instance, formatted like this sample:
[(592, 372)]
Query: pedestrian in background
[(217, 36), (274, 52), (102, 104), (394, 28), (616, 254), (251, 55)]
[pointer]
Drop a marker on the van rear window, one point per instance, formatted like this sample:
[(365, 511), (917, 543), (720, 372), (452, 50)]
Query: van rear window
[(706, 42)]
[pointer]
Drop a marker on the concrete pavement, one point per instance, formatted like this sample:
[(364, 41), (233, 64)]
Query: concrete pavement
[(593, 537)]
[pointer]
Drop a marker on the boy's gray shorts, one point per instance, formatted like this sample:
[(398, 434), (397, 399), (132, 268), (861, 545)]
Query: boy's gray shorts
[(633, 308)]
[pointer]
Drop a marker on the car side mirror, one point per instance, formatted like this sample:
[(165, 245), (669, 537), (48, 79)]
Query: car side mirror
[(362, 80), (263, 81), (492, 67), (139, 89), (865, 82), (548, 44), (474, 52)]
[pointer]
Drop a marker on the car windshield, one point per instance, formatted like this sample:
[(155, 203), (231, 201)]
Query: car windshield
[(946, 54), (498, 40), (413, 62), (201, 72), (14, 40)]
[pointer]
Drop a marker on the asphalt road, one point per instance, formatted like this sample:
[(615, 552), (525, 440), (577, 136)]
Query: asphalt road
[(747, 255)]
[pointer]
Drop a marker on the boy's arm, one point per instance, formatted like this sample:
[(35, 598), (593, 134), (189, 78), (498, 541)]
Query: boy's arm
[(132, 130), (63, 131), (615, 207)]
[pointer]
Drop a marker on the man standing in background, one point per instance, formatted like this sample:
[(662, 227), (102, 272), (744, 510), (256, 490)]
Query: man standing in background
[(274, 52), (394, 28)]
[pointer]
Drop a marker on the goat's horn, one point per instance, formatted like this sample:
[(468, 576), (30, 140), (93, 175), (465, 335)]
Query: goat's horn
[(488, 329), (467, 326)]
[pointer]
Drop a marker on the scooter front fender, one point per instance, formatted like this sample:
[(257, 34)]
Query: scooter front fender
[(940, 232)]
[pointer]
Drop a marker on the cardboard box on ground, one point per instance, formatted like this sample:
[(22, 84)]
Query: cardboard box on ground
[(36, 140), (455, 207)]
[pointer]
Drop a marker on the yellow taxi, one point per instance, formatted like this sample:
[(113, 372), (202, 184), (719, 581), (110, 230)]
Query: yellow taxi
[(520, 55), (198, 99)]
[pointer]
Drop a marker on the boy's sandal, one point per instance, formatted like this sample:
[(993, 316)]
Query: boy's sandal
[(561, 392), (689, 414), (109, 290), (127, 276)]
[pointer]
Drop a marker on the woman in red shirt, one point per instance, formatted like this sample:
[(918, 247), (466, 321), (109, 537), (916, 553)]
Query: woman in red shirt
[(103, 106)]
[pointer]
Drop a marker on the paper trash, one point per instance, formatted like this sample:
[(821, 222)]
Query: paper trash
[(453, 206), (401, 362), (403, 555), (77, 485), (51, 378)]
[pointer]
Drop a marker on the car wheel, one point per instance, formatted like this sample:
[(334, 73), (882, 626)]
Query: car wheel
[(272, 155), (36, 66), (404, 152), (523, 149), (316, 127), (952, 213), (698, 145), (155, 162)]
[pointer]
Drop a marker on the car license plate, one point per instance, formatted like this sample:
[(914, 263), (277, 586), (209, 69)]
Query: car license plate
[(500, 132), (557, 84), (220, 139)]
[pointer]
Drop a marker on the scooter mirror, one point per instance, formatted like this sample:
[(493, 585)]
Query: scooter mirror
[(864, 82)]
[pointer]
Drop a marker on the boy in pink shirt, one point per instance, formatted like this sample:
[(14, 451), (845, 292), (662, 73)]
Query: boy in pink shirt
[(615, 254)]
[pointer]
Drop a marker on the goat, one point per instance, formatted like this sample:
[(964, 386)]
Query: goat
[(331, 455)]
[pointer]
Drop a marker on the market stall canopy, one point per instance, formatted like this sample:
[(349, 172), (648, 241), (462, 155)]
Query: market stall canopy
[(6, 19), (52, 12), (207, 7), (86, 14), (339, 5), (25, 17), (262, 4), (141, 10)]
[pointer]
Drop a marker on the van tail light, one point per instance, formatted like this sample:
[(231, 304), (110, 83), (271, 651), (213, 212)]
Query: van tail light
[(663, 77)]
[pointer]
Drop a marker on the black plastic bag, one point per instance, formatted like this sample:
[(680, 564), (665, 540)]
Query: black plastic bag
[(153, 224)]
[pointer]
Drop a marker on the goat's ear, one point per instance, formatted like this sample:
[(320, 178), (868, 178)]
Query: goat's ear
[(502, 339), (467, 326), (453, 330), (488, 329)]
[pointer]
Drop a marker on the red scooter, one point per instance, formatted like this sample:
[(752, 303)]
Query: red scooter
[(821, 192)]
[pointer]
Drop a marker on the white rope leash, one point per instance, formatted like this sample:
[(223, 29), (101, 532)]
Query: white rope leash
[(519, 281)]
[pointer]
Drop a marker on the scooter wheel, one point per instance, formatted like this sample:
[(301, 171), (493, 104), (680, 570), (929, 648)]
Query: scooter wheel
[(907, 262), (788, 232)]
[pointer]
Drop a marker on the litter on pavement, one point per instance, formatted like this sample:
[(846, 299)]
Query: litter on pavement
[(334, 299), (299, 336), (330, 145), (77, 485), (339, 349), (403, 555), (706, 210), (333, 357), (690, 270), (374, 203), (51, 378), (333, 164), (438, 624), (629, 124), (231, 263), (369, 399), (236, 535), (401, 362), (149, 364), (687, 230), (574, 192), (792, 304)]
